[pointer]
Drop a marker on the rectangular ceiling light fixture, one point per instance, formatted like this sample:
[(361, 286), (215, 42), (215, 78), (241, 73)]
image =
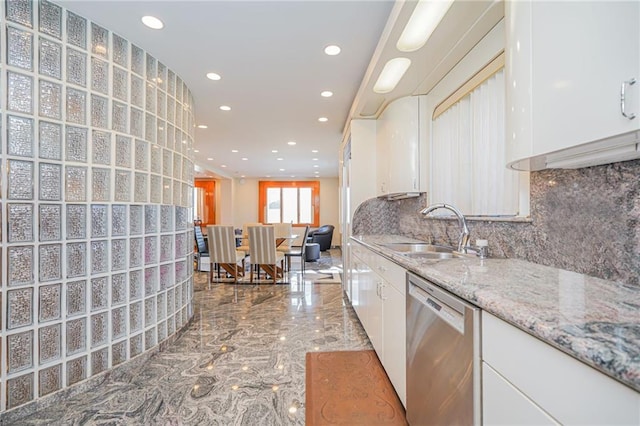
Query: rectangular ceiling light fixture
[(423, 21), (391, 74)]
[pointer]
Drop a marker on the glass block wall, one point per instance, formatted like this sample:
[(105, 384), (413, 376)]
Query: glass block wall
[(96, 179)]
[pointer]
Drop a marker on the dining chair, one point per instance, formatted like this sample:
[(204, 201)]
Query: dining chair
[(263, 253), (298, 251), (283, 230), (223, 253), (202, 253), (244, 243)]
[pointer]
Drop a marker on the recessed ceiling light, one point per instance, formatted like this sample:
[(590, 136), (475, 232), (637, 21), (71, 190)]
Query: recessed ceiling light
[(314, 150), (244, 158), (234, 150), (282, 170), (291, 143), (332, 50), (293, 175), (326, 94), (268, 176), (225, 108), (152, 22), (196, 150), (213, 76), (323, 119), (209, 159), (279, 158), (202, 126), (224, 165), (314, 159), (391, 74), (315, 165), (274, 151)]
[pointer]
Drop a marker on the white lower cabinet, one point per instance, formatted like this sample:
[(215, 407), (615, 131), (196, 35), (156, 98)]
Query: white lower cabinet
[(378, 297), (527, 381)]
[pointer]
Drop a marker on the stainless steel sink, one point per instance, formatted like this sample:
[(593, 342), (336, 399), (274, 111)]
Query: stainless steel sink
[(431, 255), (414, 248)]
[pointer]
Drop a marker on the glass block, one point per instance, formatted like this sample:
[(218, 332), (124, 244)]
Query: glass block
[(150, 250), (162, 331), (76, 144), (50, 141), (19, 48), (119, 116), (135, 317), (99, 257), (101, 147), (76, 106), (178, 89), (150, 338), (150, 219), (122, 186), (76, 183), (150, 128), (20, 93), (76, 67), (118, 255), (166, 276), (99, 221), (161, 306), (135, 285), (123, 151), (50, 58), (150, 281), (19, 389), (76, 221), (137, 60), (177, 291), (20, 265), (135, 345), (76, 336), (162, 105), (50, 100), (155, 186), (170, 303), (135, 252), (99, 333), (20, 180), (120, 50), (76, 30), (19, 307), (136, 121), (50, 17), (171, 118), (76, 298), (50, 182), (50, 220), (166, 218), (99, 111), (49, 345), (76, 370), (118, 220), (167, 191), (140, 188), (187, 192), (20, 351), (177, 165), (99, 361), (176, 192), (182, 218), (49, 380), (118, 288), (181, 270), (171, 325), (99, 41), (171, 82), (99, 293), (150, 98), (50, 262), (135, 220), (118, 353), (100, 184), (180, 245), (20, 222), (49, 302), (76, 260), (99, 75), (118, 322), (137, 91), (161, 133), (120, 84), (156, 159), (20, 11), (141, 155)]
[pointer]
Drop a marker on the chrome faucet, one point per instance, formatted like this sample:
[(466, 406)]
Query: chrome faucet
[(463, 241)]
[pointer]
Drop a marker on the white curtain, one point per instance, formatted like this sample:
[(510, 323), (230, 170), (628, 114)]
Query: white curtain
[(468, 167)]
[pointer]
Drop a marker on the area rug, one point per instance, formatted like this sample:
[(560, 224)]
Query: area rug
[(349, 388)]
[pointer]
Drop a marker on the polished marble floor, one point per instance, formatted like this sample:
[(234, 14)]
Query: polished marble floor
[(241, 361)]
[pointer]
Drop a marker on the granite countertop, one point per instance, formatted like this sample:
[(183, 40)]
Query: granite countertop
[(593, 320)]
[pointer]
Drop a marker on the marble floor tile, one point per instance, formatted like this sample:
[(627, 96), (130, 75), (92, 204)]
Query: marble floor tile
[(241, 361)]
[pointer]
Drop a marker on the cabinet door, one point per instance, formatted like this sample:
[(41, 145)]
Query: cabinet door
[(394, 333), (566, 62), (366, 301)]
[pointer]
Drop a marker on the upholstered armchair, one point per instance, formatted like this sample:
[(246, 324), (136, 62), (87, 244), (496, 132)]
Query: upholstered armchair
[(322, 236)]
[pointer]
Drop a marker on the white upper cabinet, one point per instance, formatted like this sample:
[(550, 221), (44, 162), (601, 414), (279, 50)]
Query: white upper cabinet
[(566, 68), (398, 147)]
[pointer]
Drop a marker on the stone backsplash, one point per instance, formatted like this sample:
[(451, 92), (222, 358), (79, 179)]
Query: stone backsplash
[(583, 220)]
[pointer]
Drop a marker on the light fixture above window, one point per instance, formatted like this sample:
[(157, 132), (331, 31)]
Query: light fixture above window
[(391, 74), (423, 21), (152, 22)]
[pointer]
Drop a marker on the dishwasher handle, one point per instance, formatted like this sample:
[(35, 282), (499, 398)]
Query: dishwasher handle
[(451, 315)]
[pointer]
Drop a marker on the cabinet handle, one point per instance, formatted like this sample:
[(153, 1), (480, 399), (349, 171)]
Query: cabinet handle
[(630, 115), (382, 292)]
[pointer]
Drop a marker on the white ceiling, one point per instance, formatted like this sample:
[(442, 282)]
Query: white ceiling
[(270, 56)]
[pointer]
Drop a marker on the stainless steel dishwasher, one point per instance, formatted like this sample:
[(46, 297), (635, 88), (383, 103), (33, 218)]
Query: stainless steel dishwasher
[(443, 357)]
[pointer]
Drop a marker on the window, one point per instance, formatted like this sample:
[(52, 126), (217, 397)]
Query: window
[(297, 202)]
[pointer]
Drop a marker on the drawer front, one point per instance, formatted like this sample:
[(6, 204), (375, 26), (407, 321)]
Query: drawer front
[(569, 390), (395, 275)]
